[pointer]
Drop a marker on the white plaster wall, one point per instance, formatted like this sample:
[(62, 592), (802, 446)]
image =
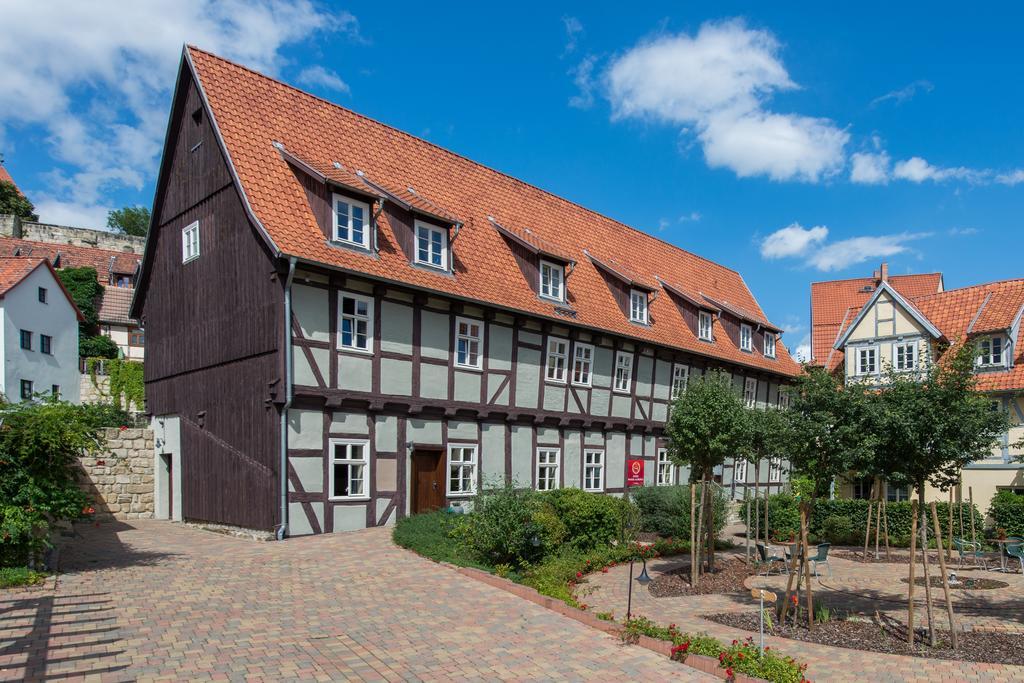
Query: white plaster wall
[(23, 311), (166, 443)]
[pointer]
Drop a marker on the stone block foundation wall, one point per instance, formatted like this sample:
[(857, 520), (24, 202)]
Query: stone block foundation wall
[(120, 482)]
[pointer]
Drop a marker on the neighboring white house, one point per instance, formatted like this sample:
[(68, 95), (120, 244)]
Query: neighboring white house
[(39, 344)]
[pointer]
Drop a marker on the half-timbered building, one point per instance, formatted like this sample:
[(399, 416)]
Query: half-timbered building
[(391, 326)]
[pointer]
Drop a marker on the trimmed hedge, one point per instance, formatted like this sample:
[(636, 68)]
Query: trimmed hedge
[(665, 510), (1007, 511), (784, 519)]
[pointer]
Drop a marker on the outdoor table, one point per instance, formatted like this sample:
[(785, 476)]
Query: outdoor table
[(1002, 552)]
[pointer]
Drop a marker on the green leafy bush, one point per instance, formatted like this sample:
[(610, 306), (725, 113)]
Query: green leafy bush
[(507, 526), (435, 535), (838, 529), (1007, 511), (590, 519), (665, 510), (11, 577)]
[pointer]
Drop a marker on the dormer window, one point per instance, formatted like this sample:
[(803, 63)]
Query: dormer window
[(746, 337), (431, 245), (990, 351), (351, 221), (638, 306), (552, 281), (704, 325), (769, 345)]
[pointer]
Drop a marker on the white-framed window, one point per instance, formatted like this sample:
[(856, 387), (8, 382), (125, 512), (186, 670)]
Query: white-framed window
[(769, 344), (680, 376), (746, 337), (190, 242), (750, 391), (349, 471), (552, 281), (782, 401), (896, 494), (558, 356), (547, 468), (638, 306), (431, 245), (774, 469), (351, 221), (739, 472), (666, 469), (469, 340), (593, 470), (582, 362), (623, 371), (355, 322), (866, 360), (461, 470), (704, 321), (990, 351), (904, 356)]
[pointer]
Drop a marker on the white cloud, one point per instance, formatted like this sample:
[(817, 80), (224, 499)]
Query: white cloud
[(903, 94), (1011, 178), (583, 78), (962, 232), (98, 78), (802, 352), (918, 170), (870, 168), (691, 217), (811, 245), (72, 214), (573, 28), (718, 83), (845, 253), (792, 240), (317, 75)]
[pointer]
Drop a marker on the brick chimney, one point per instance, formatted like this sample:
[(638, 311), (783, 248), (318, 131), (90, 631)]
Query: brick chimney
[(885, 272)]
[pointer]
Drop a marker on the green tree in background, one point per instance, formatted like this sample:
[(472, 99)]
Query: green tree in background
[(131, 220), (14, 202), (86, 291)]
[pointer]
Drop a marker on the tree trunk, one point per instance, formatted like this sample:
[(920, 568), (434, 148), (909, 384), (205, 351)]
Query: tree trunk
[(945, 576), (924, 560), (700, 534), (805, 514), (710, 520), (867, 527), (878, 522), (913, 565), (693, 535), (970, 499)]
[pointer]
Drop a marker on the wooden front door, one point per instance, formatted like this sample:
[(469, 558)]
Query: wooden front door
[(427, 481)]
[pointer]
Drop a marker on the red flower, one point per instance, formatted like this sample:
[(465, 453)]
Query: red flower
[(721, 657), (735, 641), (579, 575), (124, 427), (793, 598), (604, 570), (741, 655), (728, 672), (583, 606)]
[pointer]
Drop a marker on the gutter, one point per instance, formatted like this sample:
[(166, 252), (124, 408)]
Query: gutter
[(282, 529)]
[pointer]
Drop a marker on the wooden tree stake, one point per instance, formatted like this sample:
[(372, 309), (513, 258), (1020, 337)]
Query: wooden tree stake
[(949, 545), (746, 499), (805, 561), (700, 532), (913, 564), (885, 524), (970, 500), (878, 523), (927, 579), (867, 528), (693, 535), (945, 576)]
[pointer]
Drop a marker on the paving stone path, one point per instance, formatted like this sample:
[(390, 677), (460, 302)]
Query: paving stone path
[(1001, 609), (153, 600)]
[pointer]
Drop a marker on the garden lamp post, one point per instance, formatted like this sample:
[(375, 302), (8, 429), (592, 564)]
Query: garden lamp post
[(643, 580)]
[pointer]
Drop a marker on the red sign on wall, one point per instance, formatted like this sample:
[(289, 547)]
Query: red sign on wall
[(634, 473)]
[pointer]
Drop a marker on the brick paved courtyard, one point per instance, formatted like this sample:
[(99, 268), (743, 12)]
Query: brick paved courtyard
[(153, 600), (853, 584)]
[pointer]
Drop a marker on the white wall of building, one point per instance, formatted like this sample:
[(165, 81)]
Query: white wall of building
[(22, 310)]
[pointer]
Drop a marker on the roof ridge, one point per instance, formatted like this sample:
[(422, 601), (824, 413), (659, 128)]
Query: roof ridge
[(409, 135), (869, 277), (966, 287)]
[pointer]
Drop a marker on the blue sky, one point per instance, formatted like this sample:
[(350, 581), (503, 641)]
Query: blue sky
[(790, 143)]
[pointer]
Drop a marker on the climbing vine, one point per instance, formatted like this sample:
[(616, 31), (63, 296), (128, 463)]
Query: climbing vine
[(126, 383)]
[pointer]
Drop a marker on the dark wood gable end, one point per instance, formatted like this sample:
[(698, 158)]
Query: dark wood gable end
[(733, 316), (529, 250), (690, 304), (621, 280)]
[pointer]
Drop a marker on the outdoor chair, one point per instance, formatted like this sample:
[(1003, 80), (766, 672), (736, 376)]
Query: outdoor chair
[(821, 558), (1010, 540), (767, 560), (1016, 550), (970, 550)]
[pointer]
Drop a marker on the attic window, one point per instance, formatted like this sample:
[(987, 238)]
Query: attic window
[(197, 116), (431, 245), (552, 281), (349, 218), (769, 345), (638, 306), (990, 351), (704, 325), (746, 337)]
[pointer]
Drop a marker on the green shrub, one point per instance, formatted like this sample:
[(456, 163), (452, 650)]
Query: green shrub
[(590, 519), (434, 535), (507, 526), (1007, 512), (665, 510), (11, 577), (838, 529)]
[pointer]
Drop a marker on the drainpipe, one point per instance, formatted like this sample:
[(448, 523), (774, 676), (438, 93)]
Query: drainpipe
[(282, 529)]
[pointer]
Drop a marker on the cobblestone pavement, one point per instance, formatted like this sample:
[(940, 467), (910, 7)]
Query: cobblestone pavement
[(153, 600), (855, 584)]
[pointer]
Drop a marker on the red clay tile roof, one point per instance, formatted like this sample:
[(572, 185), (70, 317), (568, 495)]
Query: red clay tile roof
[(831, 302), (6, 177), (528, 239), (104, 261), (252, 111), (114, 305), (14, 269)]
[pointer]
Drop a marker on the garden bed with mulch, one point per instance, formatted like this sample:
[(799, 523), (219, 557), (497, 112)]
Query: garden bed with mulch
[(963, 583), (728, 577), (901, 556), (889, 636)]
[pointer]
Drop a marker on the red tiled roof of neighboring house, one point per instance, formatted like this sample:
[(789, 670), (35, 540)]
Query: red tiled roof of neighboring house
[(5, 176), (832, 302), (115, 304), (104, 261), (252, 112), (14, 269)]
